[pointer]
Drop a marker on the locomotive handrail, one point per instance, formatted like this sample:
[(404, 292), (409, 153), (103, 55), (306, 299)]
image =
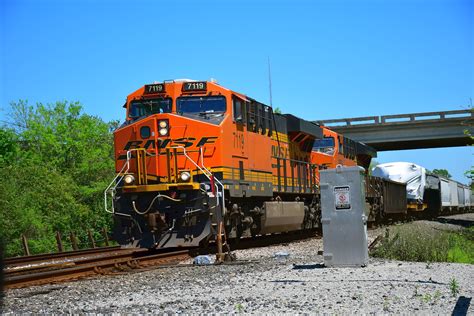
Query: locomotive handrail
[(217, 180), (220, 214), (204, 171), (120, 175), (220, 217)]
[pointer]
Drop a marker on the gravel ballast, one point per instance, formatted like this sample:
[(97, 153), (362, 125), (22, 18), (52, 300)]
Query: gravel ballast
[(260, 283)]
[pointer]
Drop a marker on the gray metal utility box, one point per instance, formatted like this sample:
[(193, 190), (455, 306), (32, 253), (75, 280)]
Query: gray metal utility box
[(344, 217)]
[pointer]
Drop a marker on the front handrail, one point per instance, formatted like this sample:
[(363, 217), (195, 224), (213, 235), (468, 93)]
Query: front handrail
[(221, 211), (217, 180), (111, 188), (204, 171)]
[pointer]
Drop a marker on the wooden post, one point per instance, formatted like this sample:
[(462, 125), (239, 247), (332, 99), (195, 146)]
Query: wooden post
[(59, 242), (25, 245), (106, 236), (73, 241), (91, 238), (219, 254)]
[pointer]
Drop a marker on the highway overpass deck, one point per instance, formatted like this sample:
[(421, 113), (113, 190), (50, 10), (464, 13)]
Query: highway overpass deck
[(408, 131)]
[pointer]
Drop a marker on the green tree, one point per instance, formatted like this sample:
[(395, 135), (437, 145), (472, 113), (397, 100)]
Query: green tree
[(62, 135), (54, 167), (36, 200), (69, 141), (442, 172), (277, 110), (9, 147)]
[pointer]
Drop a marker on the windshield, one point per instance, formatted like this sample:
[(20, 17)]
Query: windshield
[(325, 145), (201, 105), (148, 107)]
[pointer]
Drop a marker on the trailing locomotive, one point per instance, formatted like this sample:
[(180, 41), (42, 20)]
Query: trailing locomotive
[(197, 161)]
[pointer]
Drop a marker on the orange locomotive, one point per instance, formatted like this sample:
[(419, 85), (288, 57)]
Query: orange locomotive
[(196, 161), (334, 149)]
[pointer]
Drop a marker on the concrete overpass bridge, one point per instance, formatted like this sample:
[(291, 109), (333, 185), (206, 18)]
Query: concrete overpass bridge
[(408, 131)]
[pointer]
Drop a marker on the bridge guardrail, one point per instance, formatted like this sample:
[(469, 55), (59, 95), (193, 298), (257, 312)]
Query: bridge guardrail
[(398, 118)]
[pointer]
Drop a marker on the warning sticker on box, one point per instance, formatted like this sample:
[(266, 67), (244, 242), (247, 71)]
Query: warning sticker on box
[(343, 197)]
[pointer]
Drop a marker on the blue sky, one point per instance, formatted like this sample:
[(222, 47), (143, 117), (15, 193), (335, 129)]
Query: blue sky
[(330, 59)]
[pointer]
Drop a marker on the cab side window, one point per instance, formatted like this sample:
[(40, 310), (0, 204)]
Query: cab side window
[(325, 145), (239, 110)]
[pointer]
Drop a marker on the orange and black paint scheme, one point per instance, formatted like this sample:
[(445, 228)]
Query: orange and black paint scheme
[(182, 137)]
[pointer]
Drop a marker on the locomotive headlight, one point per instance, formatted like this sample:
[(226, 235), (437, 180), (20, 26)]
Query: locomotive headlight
[(163, 124), (163, 131), (185, 176), (163, 127), (129, 179)]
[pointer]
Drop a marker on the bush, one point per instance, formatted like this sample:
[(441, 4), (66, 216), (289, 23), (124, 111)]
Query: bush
[(424, 243), (37, 201)]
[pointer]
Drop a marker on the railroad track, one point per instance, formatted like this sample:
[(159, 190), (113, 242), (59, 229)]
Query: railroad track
[(68, 266), (59, 255), (109, 262), (47, 262), (17, 265)]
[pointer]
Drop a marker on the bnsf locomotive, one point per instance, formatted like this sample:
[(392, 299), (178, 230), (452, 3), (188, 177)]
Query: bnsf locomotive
[(196, 161)]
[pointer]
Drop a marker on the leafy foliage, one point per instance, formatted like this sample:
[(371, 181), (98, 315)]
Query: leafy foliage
[(442, 172), (8, 146), (54, 167)]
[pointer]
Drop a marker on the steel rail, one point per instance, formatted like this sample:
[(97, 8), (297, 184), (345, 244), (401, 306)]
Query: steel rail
[(117, 263), (55, 264), (64, 254)]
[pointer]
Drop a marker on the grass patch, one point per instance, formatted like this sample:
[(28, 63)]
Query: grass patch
[(424, 243)]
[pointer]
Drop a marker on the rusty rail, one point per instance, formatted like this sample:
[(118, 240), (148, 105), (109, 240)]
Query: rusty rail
[(57, 255), (63, 262), (106, 264)]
